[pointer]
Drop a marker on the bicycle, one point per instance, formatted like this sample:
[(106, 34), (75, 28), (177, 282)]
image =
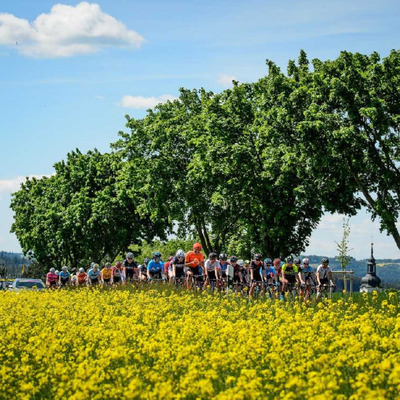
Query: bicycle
[(195, 282), (325, 291)]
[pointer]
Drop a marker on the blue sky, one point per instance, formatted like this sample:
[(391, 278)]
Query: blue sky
[(70, 71)]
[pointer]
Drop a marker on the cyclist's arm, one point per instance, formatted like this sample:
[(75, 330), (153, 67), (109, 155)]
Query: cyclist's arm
[(318, 278)]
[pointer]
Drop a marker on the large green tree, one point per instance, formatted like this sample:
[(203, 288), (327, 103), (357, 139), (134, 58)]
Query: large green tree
[(225, 166), (352, 130), (78, 214)]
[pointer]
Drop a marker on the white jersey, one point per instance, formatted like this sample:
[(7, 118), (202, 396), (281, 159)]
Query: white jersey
[(211, 266), (323, 272)]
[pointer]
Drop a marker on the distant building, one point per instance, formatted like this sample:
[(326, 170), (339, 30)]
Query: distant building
[(370, 282)]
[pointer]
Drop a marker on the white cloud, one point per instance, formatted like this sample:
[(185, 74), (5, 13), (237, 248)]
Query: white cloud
[(100, 97), (226, 80), (144, 102), (66, 31), (8, 186)]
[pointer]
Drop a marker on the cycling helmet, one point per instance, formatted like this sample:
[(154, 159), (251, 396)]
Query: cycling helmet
[(129, 255), (156, 254), (73, 270), (223, 257), (325, 260), (241, 263), (258, 256), (81, 270), (118, 264), (95, 266), (92, 264), (107, 265), (306, 261), (52, 270), (277, 261), (146, 261), (233, 259), (180, 253), (197, 246), (64, 268), (212, 256), (267, 261), (289, 259), (57, 271), (296, 261)]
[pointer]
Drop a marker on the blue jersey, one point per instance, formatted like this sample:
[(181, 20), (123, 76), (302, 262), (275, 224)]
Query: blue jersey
[(307, 271), (224, 267), (94, 274), (270, 271), (64, 275), (155, 267)]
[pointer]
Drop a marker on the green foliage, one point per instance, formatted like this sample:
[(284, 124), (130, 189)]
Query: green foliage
[(253, 167), (78, 215), (166, 248), (343, 246)]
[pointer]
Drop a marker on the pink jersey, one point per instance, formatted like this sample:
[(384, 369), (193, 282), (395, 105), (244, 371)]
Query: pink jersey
[(52, 277)]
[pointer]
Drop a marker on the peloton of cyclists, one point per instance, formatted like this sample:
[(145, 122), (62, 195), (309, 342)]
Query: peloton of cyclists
[(261, 275)]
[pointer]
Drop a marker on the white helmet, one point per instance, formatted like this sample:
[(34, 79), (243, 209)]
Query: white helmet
[(81, 270), (64, 268), (52, 270), (306, 261), (240, 263), (180, 253)]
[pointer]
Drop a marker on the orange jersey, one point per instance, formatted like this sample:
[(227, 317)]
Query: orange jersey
[(193, 259), (82, 277), (106, 273)]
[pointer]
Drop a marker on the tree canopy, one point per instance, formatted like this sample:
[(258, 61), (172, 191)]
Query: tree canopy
[(251, 168)]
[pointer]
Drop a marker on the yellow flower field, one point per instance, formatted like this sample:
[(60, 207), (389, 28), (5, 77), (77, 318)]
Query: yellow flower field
[(163, 344)]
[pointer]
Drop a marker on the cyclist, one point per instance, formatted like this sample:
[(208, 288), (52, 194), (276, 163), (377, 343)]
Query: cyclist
[(195, 261), (306, 276), (64, 277), (223, 265), (143, 270), (211, 271), (94, 274), (81, 277), (178, 266), (324, 274), (130, 267), (155, 267), (255, 277), (117, 273), (289, 274), (51, 278), (237, 272), (269, 276), (74, 281), (168, 269), (106, 274), (246, 272)]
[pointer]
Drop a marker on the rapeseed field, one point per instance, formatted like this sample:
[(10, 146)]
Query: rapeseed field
[(165, 344)]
